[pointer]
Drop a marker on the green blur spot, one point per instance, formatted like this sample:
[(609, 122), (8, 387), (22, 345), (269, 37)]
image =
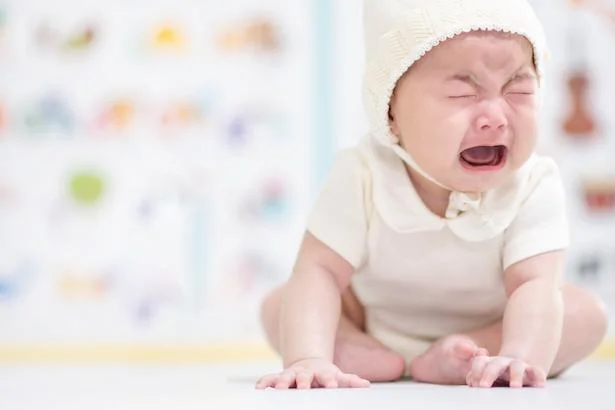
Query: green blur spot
[(87, 187)]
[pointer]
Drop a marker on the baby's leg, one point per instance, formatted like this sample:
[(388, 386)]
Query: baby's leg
[(585, 324), (355, 351)]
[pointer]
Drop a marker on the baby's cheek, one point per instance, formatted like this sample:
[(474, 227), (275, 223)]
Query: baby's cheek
[(440, 134), (523, 147), (446, 151), (528, 130)]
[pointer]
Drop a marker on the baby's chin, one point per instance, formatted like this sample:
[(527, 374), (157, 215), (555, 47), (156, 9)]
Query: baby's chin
[(480, 183), (465, 179)]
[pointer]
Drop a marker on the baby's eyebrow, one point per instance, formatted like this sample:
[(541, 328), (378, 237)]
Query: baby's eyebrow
[(524, 72), (465, 78), (523, 75)]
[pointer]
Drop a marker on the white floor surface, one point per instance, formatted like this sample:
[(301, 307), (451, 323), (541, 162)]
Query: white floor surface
[(590, 386)]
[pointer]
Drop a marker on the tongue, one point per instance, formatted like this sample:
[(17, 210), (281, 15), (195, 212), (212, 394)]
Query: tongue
[(480, 155)]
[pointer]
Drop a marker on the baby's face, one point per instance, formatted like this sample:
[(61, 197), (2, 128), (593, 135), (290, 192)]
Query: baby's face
[(467, 111)]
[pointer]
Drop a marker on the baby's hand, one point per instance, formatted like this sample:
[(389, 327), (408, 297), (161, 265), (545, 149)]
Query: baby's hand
[(308, 373), (487, 370)]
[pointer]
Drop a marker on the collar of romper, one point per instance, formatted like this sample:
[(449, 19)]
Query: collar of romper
[(471, 217)]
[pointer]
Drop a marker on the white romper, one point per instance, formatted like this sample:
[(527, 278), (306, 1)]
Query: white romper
[(420, 276)]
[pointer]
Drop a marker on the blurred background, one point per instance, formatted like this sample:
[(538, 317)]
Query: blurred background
[(158, 160)]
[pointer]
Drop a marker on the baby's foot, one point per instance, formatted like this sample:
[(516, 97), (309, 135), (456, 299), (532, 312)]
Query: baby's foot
[(447, 361), (360, 354)]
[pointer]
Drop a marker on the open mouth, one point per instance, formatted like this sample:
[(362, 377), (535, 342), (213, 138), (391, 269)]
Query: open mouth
[(484, 157)]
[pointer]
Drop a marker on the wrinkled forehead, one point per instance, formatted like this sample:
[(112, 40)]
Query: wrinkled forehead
[(497, 49)]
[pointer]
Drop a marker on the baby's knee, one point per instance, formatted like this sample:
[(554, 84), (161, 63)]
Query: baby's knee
[(270, 305), (598, 318), (589, 309)]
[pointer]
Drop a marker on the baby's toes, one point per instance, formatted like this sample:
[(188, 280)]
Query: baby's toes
[(465, 350), (482, 352)]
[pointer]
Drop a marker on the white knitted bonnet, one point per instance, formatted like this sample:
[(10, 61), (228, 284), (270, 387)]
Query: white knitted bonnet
[(400, 32)]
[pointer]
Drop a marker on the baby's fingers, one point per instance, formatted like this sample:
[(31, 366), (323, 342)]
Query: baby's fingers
[(536, 377), (351, 381), (517, 373), (285, 380), (267, 381), (492, 372), (304, 380), (308, 379), (327, 380), (476, 372)]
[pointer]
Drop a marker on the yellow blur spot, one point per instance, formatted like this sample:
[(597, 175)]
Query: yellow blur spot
[(168, 36)]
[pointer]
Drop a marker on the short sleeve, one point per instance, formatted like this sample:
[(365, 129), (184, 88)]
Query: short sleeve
[(541, 225), (339, 218)]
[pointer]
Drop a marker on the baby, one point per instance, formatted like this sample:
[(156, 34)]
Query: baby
[(436, 247)]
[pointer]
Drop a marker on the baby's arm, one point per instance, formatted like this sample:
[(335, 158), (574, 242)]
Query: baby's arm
[(534, 315), (333, 247), (533, 270), (311, 303)]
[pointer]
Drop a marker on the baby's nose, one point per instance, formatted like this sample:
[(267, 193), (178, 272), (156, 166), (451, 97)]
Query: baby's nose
[(491, 116)]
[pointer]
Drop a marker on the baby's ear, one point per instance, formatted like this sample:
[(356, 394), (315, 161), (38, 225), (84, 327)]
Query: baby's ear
[(392, 123)]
